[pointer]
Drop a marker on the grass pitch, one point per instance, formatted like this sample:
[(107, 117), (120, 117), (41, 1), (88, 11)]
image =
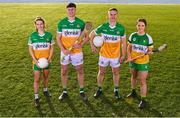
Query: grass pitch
[(16, 86)]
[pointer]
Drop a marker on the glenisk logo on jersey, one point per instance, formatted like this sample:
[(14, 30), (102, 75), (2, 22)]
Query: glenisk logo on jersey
[(71, 32), (139, 48), (40, 46), (110, 38)]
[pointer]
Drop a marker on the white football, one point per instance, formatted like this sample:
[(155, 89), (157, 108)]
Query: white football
[(43, 62), (98, 41)]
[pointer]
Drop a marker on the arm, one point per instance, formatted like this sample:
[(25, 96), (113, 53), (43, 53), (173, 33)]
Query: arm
[(86, 38), (124, 46), (60, 45), (31, 52), (129, 48), (91, 37), (51, 53)]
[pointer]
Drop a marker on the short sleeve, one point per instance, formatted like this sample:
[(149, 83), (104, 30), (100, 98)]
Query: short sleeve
[(98, 30), (29, 40)]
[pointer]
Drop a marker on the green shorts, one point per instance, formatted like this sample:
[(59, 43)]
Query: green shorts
[(36, 68), (140, 67)]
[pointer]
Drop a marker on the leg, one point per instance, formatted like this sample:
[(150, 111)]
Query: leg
[(45, 90), (45, 74), (100, 79), (64, 80), (116, 82), (100, 76), (37, 75), (64, 75), (133, 78), (143, 76), (80, 75), (134, 74), (115, 72)]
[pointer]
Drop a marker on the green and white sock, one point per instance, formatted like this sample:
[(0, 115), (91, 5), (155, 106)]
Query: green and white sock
[(81, 90), (100, 88), (116, 89), (64, 90)]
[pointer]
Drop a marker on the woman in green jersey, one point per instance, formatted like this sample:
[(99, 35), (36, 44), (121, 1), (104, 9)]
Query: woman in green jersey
[(40, 46), (139, 43)]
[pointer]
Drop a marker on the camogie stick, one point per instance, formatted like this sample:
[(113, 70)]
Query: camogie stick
[(159, 49)]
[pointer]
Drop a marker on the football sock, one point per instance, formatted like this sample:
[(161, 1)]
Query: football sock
[(100, 88), (36, 96), (116, 88), (64, 90), (81, 90), (45, 89)]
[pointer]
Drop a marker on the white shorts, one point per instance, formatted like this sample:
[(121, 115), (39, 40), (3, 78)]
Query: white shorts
[(74, 59), (113, 62)]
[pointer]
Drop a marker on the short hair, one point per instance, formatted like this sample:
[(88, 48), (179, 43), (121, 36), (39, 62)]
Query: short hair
[(38, 18), (113, 9), (71, 5), (142, 20)]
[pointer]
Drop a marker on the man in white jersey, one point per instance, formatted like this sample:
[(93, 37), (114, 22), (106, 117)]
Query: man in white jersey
[(110, 53)]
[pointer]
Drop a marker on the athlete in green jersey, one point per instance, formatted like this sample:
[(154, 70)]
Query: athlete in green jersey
[(110, 53), (68, 31), (40, 46), (139, 43)]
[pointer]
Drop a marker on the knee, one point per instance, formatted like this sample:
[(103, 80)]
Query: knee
[(116, 73), (143, 82), (64, 72), (101, 72), (36, 79), (80, 70)]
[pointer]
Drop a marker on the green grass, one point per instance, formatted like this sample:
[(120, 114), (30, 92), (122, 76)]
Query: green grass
[(16, 78)]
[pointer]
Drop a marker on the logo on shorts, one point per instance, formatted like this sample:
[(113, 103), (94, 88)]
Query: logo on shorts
[(102, 62)]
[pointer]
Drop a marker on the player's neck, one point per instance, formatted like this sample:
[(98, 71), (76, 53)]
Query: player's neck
[(112, 23), (71, 18), (40, 32), (141, 32)]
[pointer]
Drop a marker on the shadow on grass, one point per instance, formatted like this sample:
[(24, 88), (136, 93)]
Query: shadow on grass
[(51, 107), (40, 111), (117, 110), (71, 105), (90, 106), (148, 108)]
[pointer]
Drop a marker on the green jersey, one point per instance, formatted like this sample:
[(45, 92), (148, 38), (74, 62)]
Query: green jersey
[(41, 44), (140, 45)]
